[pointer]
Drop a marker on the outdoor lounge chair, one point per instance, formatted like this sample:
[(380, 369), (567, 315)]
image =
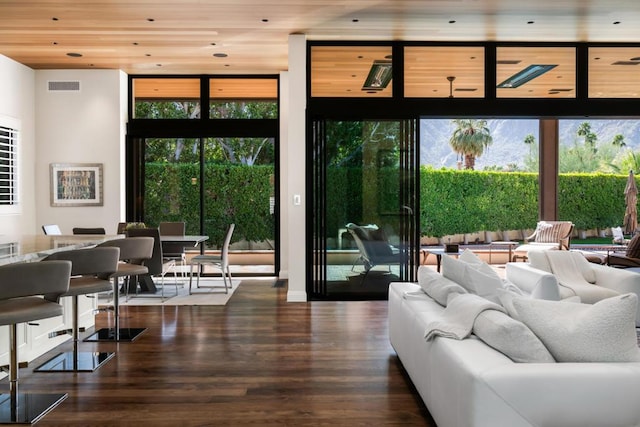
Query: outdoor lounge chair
[(374, 246), (631, 257), (548, 235)]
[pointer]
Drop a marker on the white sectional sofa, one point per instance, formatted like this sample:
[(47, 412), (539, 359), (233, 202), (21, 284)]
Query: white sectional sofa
[(590, 282), (468, 383)]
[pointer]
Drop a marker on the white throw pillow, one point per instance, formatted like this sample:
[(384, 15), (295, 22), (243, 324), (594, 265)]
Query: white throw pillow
[(473, 277), (510, 337), (470, 258), (437, 286), (453, 269), (575, 332)]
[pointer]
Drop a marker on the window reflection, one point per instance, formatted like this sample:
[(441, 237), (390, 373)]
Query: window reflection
[(613, 72), (351, 71), (536, 72), (444, 72)]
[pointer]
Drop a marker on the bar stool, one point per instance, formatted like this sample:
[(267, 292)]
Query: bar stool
[(90, 269), (133, 252), (21, 301)]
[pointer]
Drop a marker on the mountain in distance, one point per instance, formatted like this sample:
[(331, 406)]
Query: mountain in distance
[(508, 139)]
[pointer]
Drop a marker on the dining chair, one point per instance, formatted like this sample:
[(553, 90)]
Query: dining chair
[(133, 252), (22, 287), (157, 264), (220, 262), (174, 250), (90, 272), (51, 230)]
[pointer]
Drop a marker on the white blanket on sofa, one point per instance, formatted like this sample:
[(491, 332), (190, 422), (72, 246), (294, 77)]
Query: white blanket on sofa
[(458, 317)]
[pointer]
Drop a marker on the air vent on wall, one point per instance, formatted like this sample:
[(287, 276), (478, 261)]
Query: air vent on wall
[(67, 86)]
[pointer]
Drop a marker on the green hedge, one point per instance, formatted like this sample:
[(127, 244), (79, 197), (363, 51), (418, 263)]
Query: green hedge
[(233, 193), (452, 202)]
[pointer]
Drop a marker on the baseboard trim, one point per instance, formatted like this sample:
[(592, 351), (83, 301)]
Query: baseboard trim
[(296, 296)]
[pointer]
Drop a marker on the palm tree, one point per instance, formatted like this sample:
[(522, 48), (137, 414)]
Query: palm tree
[(618, 141), (590, 138), (469, 140), (530, 140)]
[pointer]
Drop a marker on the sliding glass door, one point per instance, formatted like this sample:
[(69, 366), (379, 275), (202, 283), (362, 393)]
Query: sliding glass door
[(209, 183), (364, 196)]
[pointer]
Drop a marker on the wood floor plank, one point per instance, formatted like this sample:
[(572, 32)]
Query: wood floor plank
[(258, 361)]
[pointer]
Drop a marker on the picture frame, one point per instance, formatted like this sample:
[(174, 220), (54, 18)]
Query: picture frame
[(76, 184)]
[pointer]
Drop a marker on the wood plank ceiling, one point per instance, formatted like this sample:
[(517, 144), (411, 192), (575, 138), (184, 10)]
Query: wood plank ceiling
[(251, 37)]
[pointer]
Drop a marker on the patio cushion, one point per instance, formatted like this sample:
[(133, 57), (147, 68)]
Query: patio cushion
[(633, 249)]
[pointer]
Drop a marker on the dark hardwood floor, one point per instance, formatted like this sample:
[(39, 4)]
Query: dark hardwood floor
[(257, 361)]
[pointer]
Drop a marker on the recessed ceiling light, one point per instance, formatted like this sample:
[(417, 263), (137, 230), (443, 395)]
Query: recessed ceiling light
[(74, 55), (220, 55)]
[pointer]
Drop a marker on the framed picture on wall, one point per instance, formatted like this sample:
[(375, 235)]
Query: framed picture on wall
[(76, 184)]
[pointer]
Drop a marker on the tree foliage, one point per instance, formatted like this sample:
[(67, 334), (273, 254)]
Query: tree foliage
[(470, 138)]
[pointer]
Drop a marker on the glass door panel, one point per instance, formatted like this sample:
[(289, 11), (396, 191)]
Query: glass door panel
[(171, 182), (360, 207), (239, 187)]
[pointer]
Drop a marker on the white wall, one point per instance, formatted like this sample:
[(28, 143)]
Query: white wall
[(17, 103), (87, 126), (294, 149)]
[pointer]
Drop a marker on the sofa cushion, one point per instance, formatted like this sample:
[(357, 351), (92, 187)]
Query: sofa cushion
[(633, 248), (576, 332), (510, 337), (436, 285), (475, 279)]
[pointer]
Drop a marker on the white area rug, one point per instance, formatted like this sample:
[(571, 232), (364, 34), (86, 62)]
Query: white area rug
[(205, 295)]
